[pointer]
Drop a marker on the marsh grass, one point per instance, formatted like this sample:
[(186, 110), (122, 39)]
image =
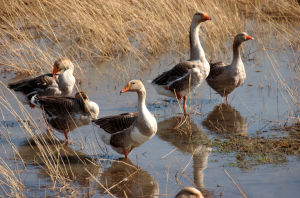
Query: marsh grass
[(33, 33), (10, 181)]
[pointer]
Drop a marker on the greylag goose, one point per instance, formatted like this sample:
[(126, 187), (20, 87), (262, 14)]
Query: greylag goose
[(225, 78), (128, 130), (187, 75), (60, 83), (189, 192), (67, 113)]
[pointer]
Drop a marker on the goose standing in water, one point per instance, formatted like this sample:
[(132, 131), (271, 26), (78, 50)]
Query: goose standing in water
[(187, 75), (225, 78), (60, 83), (67, 113), (129, 130)]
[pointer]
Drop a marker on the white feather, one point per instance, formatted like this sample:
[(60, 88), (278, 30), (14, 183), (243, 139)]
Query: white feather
[(94, 109), (35, 101), (138, 137), (67, 82)]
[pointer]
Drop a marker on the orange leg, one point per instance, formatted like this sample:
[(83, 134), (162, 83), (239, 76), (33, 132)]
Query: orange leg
[(31, 105), (66, 136), (125, 153), (227, 99), (184, 104)]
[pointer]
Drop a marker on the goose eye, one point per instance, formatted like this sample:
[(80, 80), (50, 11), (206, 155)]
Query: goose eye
[(133, 83)]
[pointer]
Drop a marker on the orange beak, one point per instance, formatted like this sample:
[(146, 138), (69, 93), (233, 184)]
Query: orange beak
[(249, 38), (126, 88), (205, 17), (54, 70)]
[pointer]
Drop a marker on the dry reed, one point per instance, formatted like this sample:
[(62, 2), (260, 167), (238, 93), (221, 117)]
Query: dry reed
[(34, 33)]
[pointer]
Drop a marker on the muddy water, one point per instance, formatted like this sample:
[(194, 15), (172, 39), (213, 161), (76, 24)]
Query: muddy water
[(171, 159)]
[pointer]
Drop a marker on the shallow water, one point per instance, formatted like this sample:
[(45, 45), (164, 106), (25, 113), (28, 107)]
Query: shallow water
[(171, 159)]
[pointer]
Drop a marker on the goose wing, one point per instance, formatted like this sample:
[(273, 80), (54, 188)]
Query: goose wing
[(216, 69), (58, 105), (178, 72), (116, 123), (36, 84)]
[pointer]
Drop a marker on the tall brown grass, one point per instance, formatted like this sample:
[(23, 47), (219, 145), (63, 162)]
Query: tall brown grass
[(34, 33), (10, 182)]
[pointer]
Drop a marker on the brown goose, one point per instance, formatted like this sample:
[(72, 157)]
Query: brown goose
[(128, 130), (60, 83), (189, 192), (67, 113), (225, 78), (189, 74)]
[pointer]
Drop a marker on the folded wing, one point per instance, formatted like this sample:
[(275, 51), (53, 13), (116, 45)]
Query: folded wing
[(117, 123)]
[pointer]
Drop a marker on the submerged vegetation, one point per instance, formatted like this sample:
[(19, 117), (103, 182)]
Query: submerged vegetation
[(252, 151)]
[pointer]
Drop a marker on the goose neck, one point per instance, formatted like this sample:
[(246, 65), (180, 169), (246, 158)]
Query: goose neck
[(142, 101), (66, 74), (236, 51), (195, 46)]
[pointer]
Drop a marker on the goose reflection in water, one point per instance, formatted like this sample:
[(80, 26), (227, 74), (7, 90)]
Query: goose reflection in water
[(124, 179), (225, 119), (70, 164), (182, 132)]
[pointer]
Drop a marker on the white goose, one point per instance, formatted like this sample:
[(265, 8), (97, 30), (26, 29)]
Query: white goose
[(129, 130), (60, 83), (67, 113), (189, 74), (225, 78)]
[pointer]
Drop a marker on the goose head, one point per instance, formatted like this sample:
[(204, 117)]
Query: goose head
[(189, 192), (241, 37), (62, 65), (133, 86), (200, 17)]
